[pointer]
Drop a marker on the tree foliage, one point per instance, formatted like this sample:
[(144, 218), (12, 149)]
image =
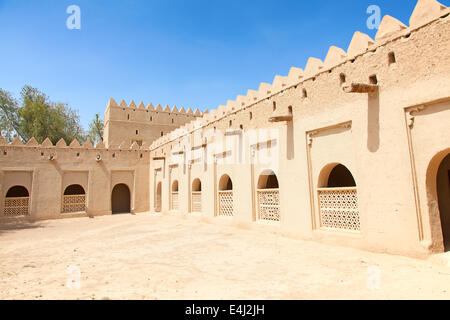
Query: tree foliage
[(38, 117), (95, 133)]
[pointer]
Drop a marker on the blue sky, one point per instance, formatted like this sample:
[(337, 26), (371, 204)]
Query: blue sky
[(197, 53)]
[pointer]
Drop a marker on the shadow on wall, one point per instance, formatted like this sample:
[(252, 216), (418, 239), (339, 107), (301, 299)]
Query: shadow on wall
[(290, 140), (373, 122)]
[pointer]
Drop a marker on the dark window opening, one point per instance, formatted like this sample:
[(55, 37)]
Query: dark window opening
[(341, 177), (74, 190), (268, 181), (17, 192), (225, 183), (392, 58)]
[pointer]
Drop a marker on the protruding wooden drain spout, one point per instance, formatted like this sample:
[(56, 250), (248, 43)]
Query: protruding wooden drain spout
[(360, 88), (281, 118)]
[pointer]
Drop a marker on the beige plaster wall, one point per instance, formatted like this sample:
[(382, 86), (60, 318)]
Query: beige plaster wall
[(46, 180), (368, 133)]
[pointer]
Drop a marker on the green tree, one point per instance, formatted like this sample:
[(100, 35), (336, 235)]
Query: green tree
[(38, 117), (9, 116), (95, 133)]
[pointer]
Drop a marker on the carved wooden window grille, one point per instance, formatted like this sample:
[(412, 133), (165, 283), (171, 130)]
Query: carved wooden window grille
[(269, 204), (175, 201), (158, 202), (196, 202), (74, 203), (339, 208), (226, 203), (15, 207)]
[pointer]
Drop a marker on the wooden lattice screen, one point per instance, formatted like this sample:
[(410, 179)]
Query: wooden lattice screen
[(158, 203), (15, 207), (339, 208), (196, 201), (226, 203), (269, 204), (74, 203), (175, 205)]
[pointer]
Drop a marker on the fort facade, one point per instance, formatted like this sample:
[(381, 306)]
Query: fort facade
[(353, 150)]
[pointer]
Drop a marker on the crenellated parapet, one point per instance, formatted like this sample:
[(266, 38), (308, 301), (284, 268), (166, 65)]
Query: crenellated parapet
[(61, 145), (425, 12), (150, 108), (130, 123)]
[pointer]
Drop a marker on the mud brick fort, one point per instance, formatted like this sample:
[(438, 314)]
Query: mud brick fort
[(353, 150)]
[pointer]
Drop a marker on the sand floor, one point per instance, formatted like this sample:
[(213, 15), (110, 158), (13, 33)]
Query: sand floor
[(169, 257)]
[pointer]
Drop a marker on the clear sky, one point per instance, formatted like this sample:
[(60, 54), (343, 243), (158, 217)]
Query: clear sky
[(197, 53)]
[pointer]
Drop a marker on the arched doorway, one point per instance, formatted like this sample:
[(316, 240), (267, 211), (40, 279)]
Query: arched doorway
[(226, 205), (338, 199), (268, 196), (175, 201), (443, 194), (196, 196), (120, 199), (17, 201), (74, 199), (158, 202)]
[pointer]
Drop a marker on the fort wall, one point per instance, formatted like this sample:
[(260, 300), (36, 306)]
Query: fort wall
[(353, 150), (379, 136), (46, 171), (129, 123)]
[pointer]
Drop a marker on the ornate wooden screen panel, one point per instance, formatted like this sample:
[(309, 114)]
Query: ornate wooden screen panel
[(158, 206), (15, 207), (74, 203), (269, 204), (339, 208), (226, 206), (175, 205), (196, 202)]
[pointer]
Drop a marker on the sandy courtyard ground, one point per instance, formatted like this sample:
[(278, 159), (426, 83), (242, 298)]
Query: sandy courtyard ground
[(167, 257)]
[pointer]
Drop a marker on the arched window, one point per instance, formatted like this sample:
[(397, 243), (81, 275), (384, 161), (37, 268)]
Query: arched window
[(175, 203), (225, 183), (268, 180), (197, 185), (196, 196), (338, 198), (74, 199), (74, 189), (17, 192), (17, 201), (226, 206), (340, 177), (175, 186), (268, 196)]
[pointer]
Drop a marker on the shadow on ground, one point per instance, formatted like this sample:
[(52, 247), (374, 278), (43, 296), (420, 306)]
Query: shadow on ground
[(12, 226)]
